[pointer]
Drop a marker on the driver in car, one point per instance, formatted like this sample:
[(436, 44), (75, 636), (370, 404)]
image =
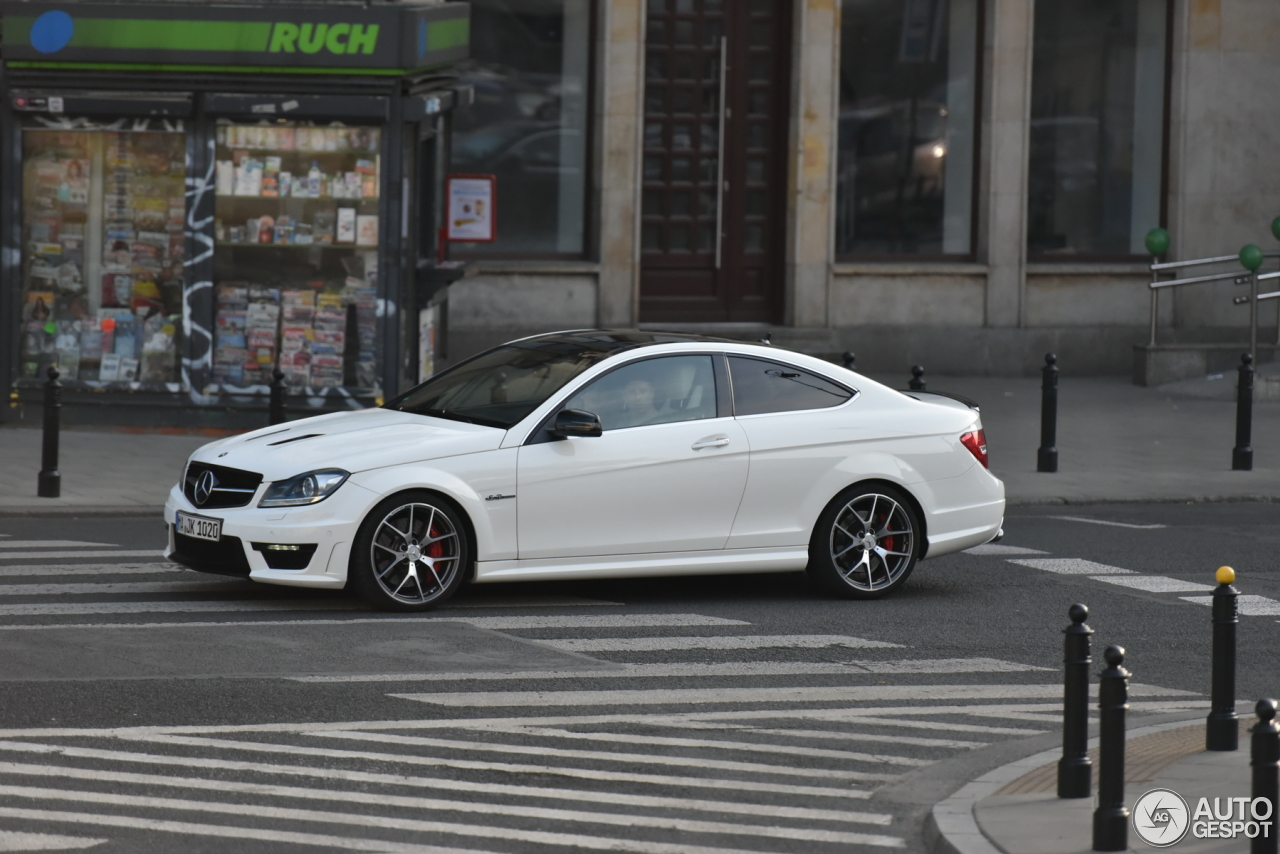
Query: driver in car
[(637, 403)]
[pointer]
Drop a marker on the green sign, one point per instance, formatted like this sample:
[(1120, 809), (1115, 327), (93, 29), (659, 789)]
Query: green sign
[(277, 37)]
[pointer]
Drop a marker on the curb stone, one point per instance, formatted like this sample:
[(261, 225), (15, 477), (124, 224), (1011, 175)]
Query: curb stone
[(950, 827)]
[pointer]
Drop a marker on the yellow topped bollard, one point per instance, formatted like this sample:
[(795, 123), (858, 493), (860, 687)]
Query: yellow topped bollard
[(1222, 728)]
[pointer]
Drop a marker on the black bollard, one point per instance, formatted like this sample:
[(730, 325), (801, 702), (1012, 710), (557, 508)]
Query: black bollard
[(849, 359), (1075, 771), (275, 411), (1222, 730), (1111, 818), (1047, 456), (1265, 759), (1242, 453), (49, 483), (917, 378)]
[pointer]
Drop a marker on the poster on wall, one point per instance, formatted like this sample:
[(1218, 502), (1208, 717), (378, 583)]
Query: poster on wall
[(472, 217)]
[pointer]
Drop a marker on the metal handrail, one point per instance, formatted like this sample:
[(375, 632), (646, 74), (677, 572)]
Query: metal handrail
[(1250, 278), (1196, 262), (1261, 297), (1194, 280)]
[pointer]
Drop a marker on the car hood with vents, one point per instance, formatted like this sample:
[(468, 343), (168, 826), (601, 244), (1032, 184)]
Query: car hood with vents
[(354, 441)]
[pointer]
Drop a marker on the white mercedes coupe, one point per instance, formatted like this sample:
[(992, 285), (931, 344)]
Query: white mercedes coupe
[(597, 454)]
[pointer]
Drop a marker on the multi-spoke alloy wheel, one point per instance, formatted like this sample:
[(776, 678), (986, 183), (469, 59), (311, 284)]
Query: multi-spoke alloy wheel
[(410, 553), (865, 543)]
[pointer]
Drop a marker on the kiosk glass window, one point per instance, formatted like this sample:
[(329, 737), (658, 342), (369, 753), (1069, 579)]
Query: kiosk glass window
[(528, 125), (296, 264), (103, 214), (907, 127), (1097, 127)]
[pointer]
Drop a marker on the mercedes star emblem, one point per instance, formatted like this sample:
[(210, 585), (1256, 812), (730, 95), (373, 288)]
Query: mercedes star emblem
[(204, 488)]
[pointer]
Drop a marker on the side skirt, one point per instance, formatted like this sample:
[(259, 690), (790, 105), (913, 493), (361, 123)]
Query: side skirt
[(664, 563)]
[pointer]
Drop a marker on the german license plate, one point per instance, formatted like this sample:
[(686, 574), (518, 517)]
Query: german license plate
[(200, 527)]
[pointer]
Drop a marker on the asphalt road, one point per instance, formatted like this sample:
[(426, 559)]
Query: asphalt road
[(145, 708)]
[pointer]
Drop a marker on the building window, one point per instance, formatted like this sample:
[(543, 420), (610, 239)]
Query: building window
[(905, 164), (1097, 126), (103, 212), (530, 68)]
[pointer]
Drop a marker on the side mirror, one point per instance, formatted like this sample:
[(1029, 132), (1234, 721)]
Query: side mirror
[(576, 422)]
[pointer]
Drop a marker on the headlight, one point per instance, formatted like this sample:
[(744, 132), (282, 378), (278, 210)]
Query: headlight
[(306, 488)]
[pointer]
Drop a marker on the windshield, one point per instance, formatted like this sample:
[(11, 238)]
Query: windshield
[(499, 388)]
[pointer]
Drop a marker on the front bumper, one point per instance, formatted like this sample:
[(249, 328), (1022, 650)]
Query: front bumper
[(330, 526)]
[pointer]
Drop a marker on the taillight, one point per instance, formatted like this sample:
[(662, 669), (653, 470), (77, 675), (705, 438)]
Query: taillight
[(976, 442)]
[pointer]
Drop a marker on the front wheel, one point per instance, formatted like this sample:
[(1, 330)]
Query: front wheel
[(410, 553), (865, 544)]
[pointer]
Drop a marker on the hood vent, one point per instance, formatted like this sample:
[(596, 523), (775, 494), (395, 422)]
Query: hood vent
[(294, 439), (268, 435)]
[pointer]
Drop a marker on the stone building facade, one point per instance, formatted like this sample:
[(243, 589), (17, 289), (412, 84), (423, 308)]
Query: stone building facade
[(959, 183)]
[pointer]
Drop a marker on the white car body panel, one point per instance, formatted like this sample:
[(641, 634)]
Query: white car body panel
[(355, 441), (633, 491), (636, 501)]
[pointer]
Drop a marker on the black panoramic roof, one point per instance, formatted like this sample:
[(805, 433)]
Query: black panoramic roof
[(606, 342)]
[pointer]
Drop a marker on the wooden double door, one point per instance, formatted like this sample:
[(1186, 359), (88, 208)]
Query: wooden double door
[(712, 234)]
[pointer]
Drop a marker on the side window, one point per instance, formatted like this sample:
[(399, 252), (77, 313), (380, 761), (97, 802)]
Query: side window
[(760, 387), (654, 391)]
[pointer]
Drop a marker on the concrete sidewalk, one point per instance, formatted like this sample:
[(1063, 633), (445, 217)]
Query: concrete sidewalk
[(1014, 809), (1116, 442)]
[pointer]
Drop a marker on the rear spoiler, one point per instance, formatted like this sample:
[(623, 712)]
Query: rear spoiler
[(918, 395)]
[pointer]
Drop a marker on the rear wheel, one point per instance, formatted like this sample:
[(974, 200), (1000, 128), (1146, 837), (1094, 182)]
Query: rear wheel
[(410, 553), (866, 543)]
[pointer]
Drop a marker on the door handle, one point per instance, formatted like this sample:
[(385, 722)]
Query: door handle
[(711, 442)]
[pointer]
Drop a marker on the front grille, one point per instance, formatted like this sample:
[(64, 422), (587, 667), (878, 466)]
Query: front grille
[(231, 487), (225, 557)]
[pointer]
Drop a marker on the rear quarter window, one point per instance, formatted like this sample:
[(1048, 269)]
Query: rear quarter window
[(760, 387)]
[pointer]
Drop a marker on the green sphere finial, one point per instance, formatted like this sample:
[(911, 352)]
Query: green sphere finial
[(1251, 258), (1275, 227), (1158, 241)]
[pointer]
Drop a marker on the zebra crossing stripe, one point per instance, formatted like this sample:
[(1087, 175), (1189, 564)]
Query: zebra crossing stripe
[(727, 669), (11, 840), (61, 569), (508, 767), (593, 621), (550, 814), (510, 834), (671, 644), (715, 744), (1001, 550), (43, 609), (1153, 583), (837, 735), (596, 755), (151, 553), (873, 720), (222, 831), (1108, 523), (51, 544), (629, 799), (1070, 566), (1249, 605), (106, 587), (704, 696)]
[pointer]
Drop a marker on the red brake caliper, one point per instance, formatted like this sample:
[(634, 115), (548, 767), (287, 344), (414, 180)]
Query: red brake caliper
[(887, 542), (436, 549)]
